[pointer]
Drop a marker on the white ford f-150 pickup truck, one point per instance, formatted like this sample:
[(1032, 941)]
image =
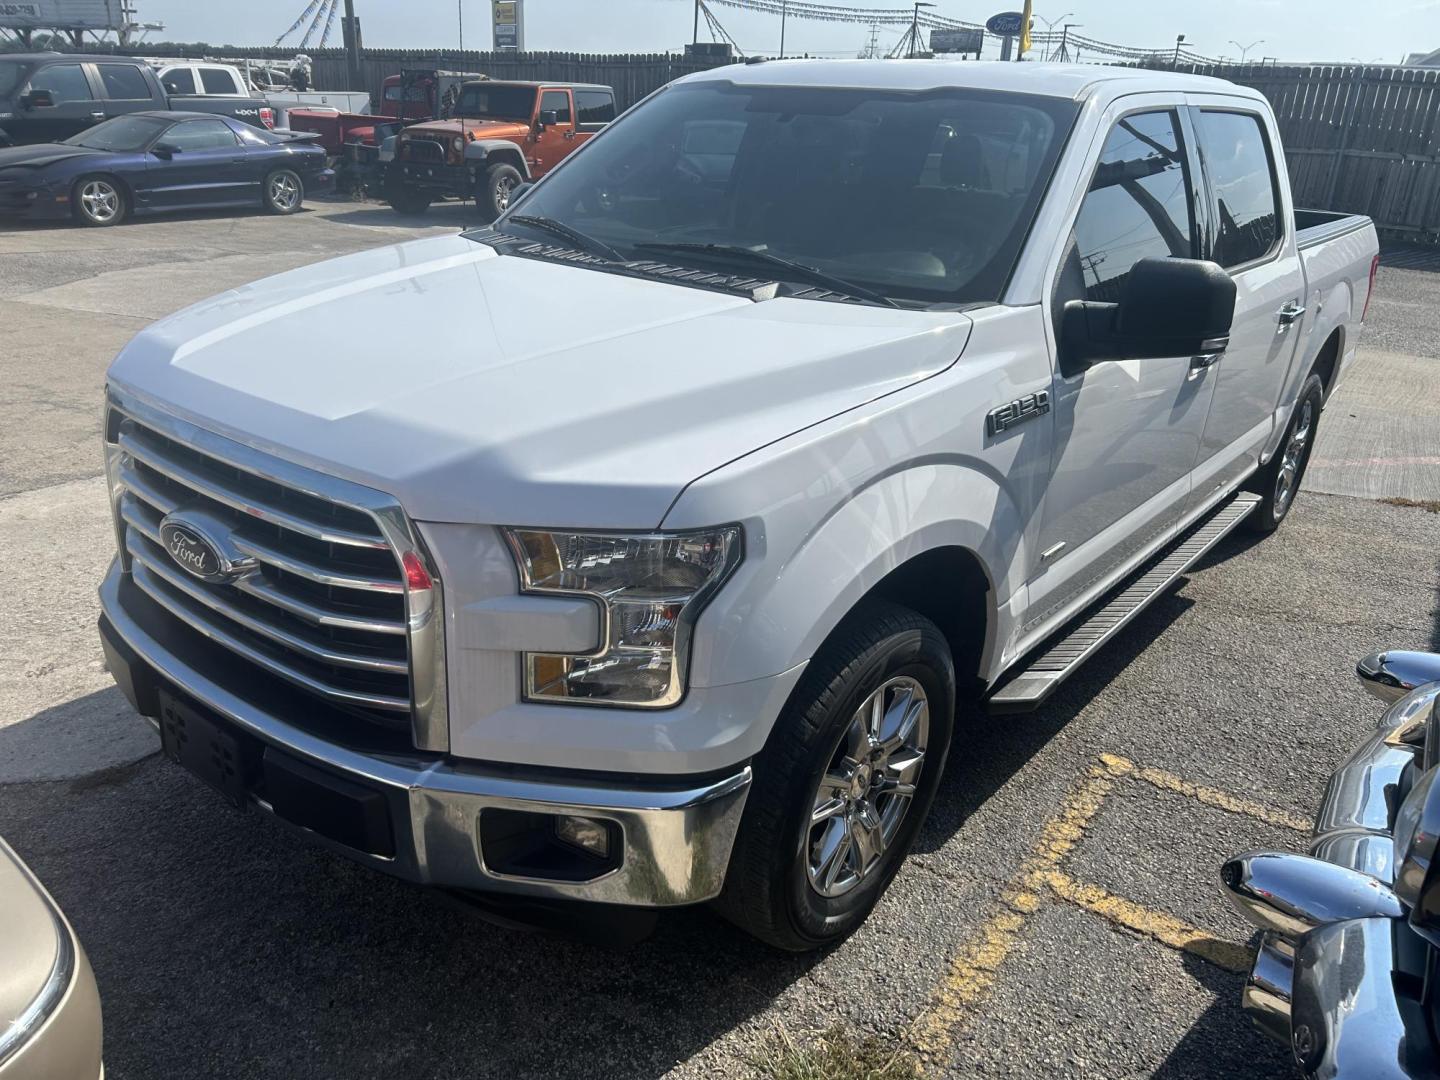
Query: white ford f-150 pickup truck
[(641, 547)]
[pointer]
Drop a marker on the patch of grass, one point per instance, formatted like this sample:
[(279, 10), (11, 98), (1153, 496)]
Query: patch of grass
[(1430, 506), (836, 1055)]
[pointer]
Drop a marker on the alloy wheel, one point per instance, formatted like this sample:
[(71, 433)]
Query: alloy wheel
[(504, 188), (868, 787), (284, 191), (99, 201), (1289, 476)]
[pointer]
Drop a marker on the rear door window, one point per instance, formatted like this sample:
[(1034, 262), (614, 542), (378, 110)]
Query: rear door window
[(218, 81), (66, 82), (1237, 157), (123, 82), (1139, 205), (595, 107), (179, 81)]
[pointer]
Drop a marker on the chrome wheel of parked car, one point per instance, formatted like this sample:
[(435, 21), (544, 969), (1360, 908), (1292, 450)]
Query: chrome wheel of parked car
[(284, 192), (99, 201), (1294, 456), (865, 793)]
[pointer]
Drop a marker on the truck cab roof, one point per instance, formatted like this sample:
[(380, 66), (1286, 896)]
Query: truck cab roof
[(1073, 81), (557, 84)]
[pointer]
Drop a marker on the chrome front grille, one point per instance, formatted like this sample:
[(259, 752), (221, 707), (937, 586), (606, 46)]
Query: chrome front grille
[(321, 601)]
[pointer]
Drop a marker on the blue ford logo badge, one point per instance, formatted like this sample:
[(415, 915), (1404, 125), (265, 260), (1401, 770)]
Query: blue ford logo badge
[(194, 551)]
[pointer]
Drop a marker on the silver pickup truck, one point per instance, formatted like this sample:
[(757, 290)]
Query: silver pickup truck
[(641, 547)]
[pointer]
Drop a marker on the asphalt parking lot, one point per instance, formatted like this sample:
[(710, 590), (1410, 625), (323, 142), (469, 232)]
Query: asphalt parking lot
[(1059, 918)]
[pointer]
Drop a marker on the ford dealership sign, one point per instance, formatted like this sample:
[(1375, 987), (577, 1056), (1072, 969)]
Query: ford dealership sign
[(1006, 24)]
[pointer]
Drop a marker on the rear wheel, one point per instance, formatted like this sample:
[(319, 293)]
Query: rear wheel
[(845, 782), (98, 201), (283, 192), (498, 185), (1279, 481)]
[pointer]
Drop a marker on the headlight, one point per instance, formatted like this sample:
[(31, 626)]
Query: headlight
[(650, 589)]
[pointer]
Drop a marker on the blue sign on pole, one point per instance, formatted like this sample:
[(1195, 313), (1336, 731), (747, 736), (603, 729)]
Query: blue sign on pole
[(1006, 24)]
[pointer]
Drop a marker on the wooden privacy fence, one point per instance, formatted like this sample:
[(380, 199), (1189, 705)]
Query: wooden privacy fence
[(1363, 140)]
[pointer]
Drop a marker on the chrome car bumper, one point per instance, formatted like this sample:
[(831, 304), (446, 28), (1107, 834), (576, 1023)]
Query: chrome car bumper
[(1336, 952), (673, 841)]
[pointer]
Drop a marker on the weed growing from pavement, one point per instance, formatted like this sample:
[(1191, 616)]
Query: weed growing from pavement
[(1430, 506), (835, 1055)]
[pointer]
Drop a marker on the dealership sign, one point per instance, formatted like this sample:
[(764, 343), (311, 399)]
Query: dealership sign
[(61, 15), (508, 19), (1006, 24), (957, 41)]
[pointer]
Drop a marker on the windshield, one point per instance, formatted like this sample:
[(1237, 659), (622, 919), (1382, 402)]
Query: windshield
[(494, 101), (920, 197), (122, 133), (12, 74)]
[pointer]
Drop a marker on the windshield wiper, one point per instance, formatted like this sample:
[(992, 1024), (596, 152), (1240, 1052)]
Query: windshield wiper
[(794, 269), (565, 232)]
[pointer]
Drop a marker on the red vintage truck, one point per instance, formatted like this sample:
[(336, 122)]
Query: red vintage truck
[(500, 135), (416, 94)]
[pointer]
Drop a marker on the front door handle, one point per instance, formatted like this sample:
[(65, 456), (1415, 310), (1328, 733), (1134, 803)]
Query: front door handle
[(1290, 312), (1205, 360), (97, 116)]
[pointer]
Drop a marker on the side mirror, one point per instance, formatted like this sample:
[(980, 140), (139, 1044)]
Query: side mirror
[(519, 192), (38, 99), (165, 150), (547, 118), (1168, 307)]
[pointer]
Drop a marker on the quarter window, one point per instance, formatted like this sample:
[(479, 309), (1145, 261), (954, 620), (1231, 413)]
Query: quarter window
[(66, 82), (123, 82), (1237, 157), (557, 101), (1139, 205), (179, 81)]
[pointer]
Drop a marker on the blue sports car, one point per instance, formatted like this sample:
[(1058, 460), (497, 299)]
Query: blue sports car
[(152, 162)]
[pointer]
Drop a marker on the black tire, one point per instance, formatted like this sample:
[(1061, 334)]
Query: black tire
[(282, 192), (406, 200), (1278, 483), (492, 197), (99, 201), (768, 889)]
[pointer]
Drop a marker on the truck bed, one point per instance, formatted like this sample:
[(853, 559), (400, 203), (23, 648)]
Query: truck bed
[(1316, 226)]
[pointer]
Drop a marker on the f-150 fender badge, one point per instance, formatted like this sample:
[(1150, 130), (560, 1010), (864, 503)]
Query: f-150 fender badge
[(1018, 411)]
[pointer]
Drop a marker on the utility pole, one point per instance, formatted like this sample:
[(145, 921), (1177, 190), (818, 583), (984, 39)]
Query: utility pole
[(915, 27), (1061, 54), (352, 47), (460, 17), (695, 33), (1179, 40), (784, 6)]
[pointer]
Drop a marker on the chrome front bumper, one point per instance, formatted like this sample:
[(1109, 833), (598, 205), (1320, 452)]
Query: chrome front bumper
[(675, 840), (1336, 951)]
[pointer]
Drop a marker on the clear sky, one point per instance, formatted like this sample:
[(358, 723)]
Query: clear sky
[(1293, 30)]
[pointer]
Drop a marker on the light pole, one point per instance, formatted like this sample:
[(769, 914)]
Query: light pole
[(784, 6), (1246, 48), (1049, 28), (915, 27), (1062, 51), (1179, 40), (460, 18)]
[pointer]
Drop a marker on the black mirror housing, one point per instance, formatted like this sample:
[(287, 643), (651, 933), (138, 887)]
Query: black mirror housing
[(1168, 307), (549, 117), (164, 149), (38, 99)]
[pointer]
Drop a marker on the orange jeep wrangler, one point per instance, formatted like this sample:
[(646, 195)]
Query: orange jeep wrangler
[(502, 134)]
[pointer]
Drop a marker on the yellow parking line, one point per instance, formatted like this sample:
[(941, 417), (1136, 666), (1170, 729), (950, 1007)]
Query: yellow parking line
[(1164, 928), (1222, 800), (972, 971)]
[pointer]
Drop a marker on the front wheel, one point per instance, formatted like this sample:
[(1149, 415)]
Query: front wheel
[(98, 201), (845, 782), (1279, 481), (496, 188), (406, 200), (283, 192)]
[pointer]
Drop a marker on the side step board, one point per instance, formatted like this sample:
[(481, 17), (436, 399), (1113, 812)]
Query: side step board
[(1057, 659)]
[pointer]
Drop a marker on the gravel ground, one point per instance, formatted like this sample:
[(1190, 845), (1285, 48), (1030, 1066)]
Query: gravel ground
[(226, 947)]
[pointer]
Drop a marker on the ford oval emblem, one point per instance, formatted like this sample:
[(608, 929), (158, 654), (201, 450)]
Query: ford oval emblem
[(193, 551), (1006, 24)]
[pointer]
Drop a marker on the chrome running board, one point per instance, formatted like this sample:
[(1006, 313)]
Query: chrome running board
[(1030, 682)]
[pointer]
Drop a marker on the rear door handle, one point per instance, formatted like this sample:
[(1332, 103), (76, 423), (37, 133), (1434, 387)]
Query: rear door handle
[(1290, 312)]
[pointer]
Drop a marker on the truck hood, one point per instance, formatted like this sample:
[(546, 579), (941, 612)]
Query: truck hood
[(481, 388), (481, 129)]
